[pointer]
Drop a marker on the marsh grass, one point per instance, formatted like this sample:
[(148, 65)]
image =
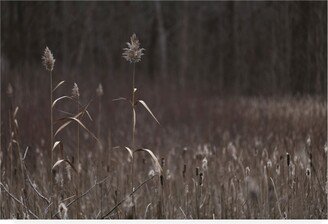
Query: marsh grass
[(133, 54), (221, 158), (223, 192)]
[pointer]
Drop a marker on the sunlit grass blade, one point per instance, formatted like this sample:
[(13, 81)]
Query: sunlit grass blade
[(71, 119), (155, 160), (126, 148), (16, 111), (59, 84), (61, 161), (65, 119), (129, 150), (59, 99), (89, 116), (147, 108), (120, 99), (55, 145)]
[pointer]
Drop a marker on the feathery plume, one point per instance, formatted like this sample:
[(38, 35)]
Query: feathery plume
[(48, 59), (62, 209), (75, 91), (204, 164), (133, 52), (100, 90)]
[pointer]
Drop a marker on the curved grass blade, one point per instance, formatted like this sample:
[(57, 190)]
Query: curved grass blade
[(87, 112), (55, 145), (16, 123), (59, 84), (129, 150), (120, 99), (63, 126), (157, 165), (65, 112), (25, 153), (61, 161), (59, 99), (65, 119), (80, 123), (147, 108), (16, 111)]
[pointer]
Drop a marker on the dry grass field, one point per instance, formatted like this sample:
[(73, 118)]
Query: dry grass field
[(131, 148), (174, 155)]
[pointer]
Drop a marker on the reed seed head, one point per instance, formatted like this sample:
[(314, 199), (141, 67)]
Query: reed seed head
[(62, 209), (204, 164), (151, 173), (308, 141), (133, 52), (100, 90), (10, 90), (269, 163), (128, 203), (248, 171), (75, 91), (48, 59)]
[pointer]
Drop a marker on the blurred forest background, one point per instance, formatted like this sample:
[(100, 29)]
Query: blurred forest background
[(248, 48)]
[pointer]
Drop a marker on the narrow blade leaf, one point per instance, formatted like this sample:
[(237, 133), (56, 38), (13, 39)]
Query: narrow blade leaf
[(155, 160), (59, 84), (55, 145), (59, 99), (87, 112), (57, 163), (16, 111), (147, 108), (119, 99), (80, 123), (62, 127), (129, 150), (61, 161)]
